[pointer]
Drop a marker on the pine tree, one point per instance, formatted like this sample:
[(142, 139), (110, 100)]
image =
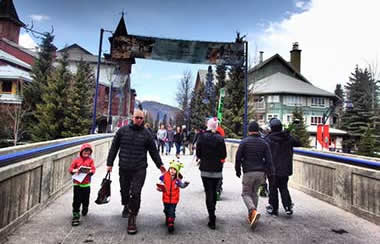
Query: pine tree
[(338, 113), (234, 103), (157, 121), (51, 112), (165, 120), (366, 145), (298, 130), (79, 102), (210, 92), (32, 91), (221, 78), (199, 110), (362, 92)]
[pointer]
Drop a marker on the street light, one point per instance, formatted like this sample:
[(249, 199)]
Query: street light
[(97, 80)]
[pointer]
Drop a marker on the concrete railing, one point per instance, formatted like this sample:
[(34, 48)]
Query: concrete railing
[(28, 186), (353, 188)]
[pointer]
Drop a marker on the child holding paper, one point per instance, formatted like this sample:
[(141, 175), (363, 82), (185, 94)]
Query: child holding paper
[(82, 168)]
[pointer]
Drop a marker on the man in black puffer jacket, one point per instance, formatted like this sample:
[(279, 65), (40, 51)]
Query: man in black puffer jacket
[(133, 141), (211, 149), (281, 144), (255, 157)]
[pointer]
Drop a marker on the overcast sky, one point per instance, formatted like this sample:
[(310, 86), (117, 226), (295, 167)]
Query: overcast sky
[(334, 35)]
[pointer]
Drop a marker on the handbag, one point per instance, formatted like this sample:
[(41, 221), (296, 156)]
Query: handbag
[(104, 193)]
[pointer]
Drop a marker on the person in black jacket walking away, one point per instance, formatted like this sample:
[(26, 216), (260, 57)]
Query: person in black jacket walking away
[(133, 141), (178, 138), (281, 144), (211, 149), (255, 157)]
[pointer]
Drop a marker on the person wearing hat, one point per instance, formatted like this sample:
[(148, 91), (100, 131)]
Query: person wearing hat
[(211, 149), (254, 156), (169, 186), (281, 144)]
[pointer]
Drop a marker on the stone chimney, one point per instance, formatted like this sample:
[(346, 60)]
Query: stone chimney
[(261, 57), (295, 57)]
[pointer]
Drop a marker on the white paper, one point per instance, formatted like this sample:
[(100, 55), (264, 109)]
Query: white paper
[(79, 177)]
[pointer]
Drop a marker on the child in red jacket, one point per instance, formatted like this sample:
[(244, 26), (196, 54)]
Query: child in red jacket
[(82, 168), (170, 184)]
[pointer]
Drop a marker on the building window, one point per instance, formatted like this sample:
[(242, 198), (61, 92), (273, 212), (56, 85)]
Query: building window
[(315, 120), (6, 86), (270, 116), (318, 102), (294, 101), (273, 99), (259, 102)]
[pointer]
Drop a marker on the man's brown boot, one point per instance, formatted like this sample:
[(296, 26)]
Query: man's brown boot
[(132, 229)]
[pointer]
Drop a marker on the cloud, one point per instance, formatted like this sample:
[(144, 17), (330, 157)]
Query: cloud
[(300, 4), (334, 36), (27, 42), (39, 17)]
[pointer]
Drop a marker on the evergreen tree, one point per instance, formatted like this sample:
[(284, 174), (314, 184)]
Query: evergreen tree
[(338, 113), (221, 78), (79, 102), (32, 91), (170, 121), (366, 145), (298, 128), (165, 120), (210, 92), (234, 103), (199, 110), (157, 121), (51, 112), (361, 90)]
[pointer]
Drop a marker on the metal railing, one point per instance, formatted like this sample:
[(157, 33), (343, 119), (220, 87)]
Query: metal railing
[(366, 163), (11, 158)]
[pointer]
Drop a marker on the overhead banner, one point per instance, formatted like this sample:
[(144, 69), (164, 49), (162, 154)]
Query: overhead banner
[(195, 52)]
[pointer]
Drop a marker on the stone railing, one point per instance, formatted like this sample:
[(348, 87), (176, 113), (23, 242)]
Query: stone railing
[(28, 186), (353, 188)]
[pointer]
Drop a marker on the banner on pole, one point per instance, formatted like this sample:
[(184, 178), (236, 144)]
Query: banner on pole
[(183, 51)]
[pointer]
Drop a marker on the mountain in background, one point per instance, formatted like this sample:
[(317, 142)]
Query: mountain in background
[(155, 107)]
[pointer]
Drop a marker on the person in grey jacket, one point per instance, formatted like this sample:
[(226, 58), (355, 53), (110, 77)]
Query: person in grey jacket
[(254, 156), (134, 141)]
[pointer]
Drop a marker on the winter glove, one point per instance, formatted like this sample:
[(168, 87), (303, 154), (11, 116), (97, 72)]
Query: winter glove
[(238, 174), (185, 184)]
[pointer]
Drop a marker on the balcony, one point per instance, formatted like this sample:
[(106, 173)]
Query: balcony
[(10, 99)]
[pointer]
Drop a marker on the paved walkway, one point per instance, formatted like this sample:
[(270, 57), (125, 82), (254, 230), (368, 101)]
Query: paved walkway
[(312, 222)]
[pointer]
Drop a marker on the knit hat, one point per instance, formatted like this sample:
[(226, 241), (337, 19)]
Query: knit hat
[(212, 124), (253, 127), (275, 125), (176, 165)]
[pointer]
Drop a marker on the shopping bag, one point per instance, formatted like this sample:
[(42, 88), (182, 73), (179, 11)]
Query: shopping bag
[(104, 193)]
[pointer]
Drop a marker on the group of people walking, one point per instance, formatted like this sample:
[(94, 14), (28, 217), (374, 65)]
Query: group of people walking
[(180, 138), (258, 157)]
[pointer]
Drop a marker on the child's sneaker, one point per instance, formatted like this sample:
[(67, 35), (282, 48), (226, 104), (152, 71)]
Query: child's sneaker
[(271, 211), (84, 211), (75, 221)]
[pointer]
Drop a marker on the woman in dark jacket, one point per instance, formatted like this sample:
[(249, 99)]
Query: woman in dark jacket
[(211, 149), (178, 138)]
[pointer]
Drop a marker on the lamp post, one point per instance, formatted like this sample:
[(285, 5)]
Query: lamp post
[(245, 90), (97, 80)]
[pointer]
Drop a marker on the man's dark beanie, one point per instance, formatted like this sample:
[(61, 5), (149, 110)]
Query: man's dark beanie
[(275, 125), (253, 127)]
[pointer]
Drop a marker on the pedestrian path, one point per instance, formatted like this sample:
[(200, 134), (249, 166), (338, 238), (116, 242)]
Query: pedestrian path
[(313, 221)]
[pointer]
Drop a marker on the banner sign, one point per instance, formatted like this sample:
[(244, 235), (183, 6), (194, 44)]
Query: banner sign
[(195, 52), (220, 105)]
